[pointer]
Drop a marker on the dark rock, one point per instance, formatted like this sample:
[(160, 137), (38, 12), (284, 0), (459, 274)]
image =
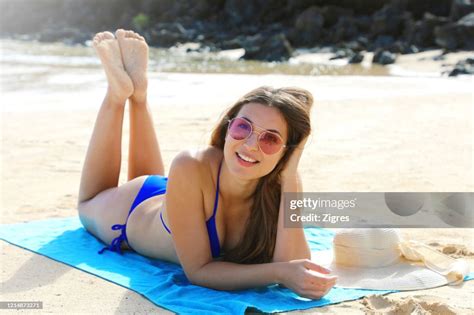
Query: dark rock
[(332, 14), (460, 8), (342, 53), (444, 36), (363, 23), (384, 57), (239, 12), (158, 9), (422, 33), (167, 11), (469, 61), (467, 21), (402, 47), (463, 67), (308, 27), (163, 38), (456, 35), (389, 20), (383, 42), (295, 6), (354, 45), (231, 44), (274, 48), (168, 34), (410, 49), (254, 37), (356, 58), (344, 29), (419, 8), (363, 41)]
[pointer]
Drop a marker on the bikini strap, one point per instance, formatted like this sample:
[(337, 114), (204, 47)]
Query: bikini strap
[(216, 199)]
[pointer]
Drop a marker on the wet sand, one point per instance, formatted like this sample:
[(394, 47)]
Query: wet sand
[(370, 134)]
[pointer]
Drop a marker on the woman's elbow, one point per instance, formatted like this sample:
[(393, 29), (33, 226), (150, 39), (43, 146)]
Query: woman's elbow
[(193, 277), (197, 277), (204, 282)]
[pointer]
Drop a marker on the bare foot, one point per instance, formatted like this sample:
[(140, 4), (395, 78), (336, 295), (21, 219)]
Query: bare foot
[(120, 85), (135, 59)]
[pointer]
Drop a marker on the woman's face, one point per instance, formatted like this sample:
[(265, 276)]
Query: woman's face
[(262, 118)]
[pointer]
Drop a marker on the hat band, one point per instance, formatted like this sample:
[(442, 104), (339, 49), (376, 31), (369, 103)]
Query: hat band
[(365, 257)]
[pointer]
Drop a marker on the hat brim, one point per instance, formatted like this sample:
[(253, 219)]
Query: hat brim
[(402, 275)]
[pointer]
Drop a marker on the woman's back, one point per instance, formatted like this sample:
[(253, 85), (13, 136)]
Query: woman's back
[(147, 227)]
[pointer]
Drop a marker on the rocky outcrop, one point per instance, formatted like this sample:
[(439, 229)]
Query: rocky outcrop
[(463, 67), (267, 29), (456, 35), (384, 57), (274, 48)]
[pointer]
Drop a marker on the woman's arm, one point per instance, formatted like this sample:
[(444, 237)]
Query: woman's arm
[(291, 242), (302, 276), (221, 275), (186, 215), (185, 209)]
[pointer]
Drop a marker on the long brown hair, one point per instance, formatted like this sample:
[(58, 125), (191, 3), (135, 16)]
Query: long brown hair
[(258, 242)]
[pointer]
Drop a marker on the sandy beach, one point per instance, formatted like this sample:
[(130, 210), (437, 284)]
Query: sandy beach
[(371, 133)]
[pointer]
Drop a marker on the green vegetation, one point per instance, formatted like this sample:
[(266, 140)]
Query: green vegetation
[(141, 21)]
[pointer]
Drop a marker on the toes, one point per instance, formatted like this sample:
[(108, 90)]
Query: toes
[(96, 37), (131, 34), (120, 33), (102, 36), (108, 35)]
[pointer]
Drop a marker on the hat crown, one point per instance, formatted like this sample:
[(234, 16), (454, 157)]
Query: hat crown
[(376, 247), (379, 238)]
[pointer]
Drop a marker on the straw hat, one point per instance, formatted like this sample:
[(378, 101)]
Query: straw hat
[(379, 259)]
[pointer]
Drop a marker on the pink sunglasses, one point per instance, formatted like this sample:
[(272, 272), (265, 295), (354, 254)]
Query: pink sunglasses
[(269, 142)]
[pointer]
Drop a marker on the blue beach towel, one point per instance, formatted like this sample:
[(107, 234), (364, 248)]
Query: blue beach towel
[(165, 284)]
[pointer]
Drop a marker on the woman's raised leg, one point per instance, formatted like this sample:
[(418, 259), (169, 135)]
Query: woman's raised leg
[(144, 151), (101, 168)]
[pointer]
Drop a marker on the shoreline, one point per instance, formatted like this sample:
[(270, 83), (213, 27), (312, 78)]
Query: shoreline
[(178, 59)]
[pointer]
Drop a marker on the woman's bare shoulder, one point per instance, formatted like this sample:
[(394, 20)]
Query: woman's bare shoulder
[(198, 161)]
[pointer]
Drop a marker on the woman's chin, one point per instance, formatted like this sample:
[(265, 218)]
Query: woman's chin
[(242, 172)]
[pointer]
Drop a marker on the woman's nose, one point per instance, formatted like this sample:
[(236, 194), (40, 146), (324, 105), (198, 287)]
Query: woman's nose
[(252, 141)]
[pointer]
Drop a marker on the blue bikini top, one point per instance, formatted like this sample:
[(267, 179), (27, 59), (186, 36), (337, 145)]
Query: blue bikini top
[(211, 223)]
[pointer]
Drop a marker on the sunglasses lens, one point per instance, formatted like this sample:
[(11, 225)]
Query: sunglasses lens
[(270, 143), (239, 129)]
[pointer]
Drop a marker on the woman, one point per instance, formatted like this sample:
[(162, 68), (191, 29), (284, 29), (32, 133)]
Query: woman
[(218, 213)]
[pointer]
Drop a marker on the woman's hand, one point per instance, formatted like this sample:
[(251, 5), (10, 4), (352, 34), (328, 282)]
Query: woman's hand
[(306, 278), (291, 167)]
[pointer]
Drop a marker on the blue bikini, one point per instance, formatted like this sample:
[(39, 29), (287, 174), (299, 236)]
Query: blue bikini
[(155, 185)]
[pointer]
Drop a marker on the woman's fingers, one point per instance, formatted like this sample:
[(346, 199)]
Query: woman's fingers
[(318, 290), (314, 281), (321, 281), (314, 266)]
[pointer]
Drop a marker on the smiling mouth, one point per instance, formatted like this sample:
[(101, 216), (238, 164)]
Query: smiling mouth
[(246, 159)]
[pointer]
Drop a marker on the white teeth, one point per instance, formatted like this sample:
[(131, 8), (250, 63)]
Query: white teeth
[(246, 158)]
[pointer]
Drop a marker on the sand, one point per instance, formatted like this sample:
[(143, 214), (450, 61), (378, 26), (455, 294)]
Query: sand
[(371, 134)]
